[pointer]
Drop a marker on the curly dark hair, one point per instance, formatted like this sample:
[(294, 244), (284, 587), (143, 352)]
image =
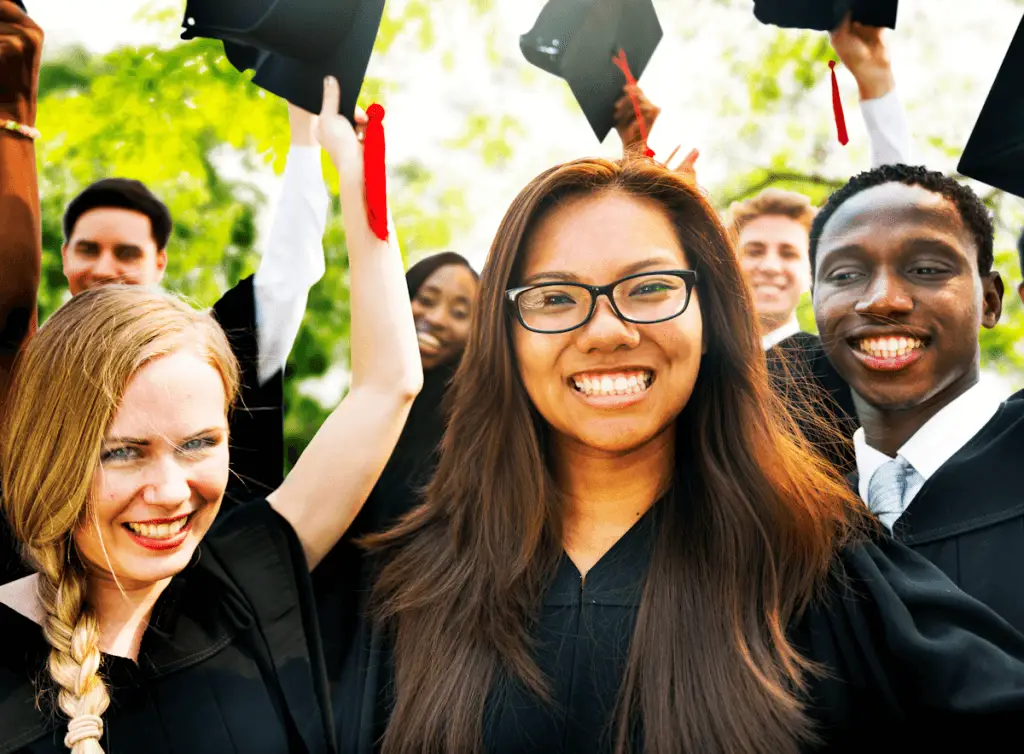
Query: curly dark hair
[(975, 215)]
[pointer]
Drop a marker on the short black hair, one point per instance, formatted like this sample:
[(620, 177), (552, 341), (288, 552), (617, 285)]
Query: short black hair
[(121, 193), (975, 215)]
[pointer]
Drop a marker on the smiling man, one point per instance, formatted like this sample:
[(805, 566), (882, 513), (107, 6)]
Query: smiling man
[(903, 282)]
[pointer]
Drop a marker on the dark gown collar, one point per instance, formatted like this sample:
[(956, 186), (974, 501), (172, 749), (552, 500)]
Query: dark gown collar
[(970, 491), (617, 579), (183, 631)]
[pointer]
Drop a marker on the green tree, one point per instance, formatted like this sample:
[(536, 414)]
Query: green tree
[(172, 117)]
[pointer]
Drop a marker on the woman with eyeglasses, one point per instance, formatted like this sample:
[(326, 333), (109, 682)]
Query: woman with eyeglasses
[(626, 546)]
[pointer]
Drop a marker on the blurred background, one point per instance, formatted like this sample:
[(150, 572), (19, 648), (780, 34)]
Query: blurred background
[(469, 123)]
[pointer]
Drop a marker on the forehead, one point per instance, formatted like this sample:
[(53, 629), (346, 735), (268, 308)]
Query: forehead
[(880, 219), (597, 236), (775, 229), (114, 225), (171, 396), (452, 279)]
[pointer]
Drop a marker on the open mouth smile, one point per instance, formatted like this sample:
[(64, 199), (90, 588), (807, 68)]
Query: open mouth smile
[(160, 534), (627, 382), (888, 353)]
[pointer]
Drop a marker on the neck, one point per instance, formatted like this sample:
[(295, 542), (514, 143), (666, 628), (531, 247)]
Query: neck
[(888, 429), (606, 493), (123, 612)]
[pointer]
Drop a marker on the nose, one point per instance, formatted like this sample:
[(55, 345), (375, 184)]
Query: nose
[(885, 296), (166, 484), (770, 263), (606, 331), (105, 266)]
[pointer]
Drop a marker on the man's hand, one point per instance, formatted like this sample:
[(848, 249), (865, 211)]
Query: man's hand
[(21, 47), (862, 49), (625, 118)]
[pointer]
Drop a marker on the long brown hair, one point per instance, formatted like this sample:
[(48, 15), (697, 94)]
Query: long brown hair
[(748, 535), (68, 383)]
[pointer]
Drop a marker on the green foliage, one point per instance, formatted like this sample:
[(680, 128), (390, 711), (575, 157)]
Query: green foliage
[(177, 118)]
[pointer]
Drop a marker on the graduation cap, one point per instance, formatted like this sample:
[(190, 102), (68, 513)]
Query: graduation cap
[(825, 15), (293, 44), (995, 151), (577, 40), (21, 5)]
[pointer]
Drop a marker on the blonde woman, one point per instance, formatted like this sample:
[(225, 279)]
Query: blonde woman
[(146, 628)]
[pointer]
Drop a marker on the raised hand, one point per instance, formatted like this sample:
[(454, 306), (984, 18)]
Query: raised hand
[(862, 49), (21, 47), (686, 166), (625, 118), (339, 139)]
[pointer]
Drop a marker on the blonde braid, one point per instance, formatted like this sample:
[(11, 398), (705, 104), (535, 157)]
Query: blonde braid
[(72, 630)]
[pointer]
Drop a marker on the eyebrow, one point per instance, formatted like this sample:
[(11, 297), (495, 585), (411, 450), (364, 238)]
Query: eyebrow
[(569, 277), (144, 443)]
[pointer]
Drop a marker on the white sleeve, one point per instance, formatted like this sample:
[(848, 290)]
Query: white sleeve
[(888, 130), (293, 258)]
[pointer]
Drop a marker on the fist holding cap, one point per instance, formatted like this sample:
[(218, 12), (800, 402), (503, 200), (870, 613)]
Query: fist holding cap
[(21, 47)]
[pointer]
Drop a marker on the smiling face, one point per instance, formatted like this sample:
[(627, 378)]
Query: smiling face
[(898, 297), (112, 245), (610, 385), (773, 257), (162, 473), (441, 310)]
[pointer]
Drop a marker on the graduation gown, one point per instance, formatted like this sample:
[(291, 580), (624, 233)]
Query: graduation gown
[(800, 371), (910, 659), (257, 420), (968, 518), (230, 662)]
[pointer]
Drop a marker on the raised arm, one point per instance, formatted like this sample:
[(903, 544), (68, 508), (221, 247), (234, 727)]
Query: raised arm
[(21, 43), (863, 50), (333, 477), (293, 257)]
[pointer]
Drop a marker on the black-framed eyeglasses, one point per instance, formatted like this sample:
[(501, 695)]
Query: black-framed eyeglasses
[(643, 299)]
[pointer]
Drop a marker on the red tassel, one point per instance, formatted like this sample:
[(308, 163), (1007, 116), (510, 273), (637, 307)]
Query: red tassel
[(837, 106), (623, 65), (374, 173)]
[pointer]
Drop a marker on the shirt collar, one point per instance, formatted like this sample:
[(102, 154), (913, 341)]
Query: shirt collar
[(779, 334), (937, 440)]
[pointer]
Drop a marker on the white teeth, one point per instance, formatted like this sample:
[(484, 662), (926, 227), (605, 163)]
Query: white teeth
[(889, 348), (619, 384), (159, 531)]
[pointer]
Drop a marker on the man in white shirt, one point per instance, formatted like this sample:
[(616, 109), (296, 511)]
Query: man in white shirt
[(117, 231), (903, 281)]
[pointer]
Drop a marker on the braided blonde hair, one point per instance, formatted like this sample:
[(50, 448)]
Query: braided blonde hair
[(67, 386)]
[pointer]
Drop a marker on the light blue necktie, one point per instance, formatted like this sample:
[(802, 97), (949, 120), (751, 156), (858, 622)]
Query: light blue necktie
[(889, 488)]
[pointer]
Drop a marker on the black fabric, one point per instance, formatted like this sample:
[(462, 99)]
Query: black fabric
[(576, 40), (825, 15), (292, 44), (230, 661), (800, 372), (995, 150), (968, 518), (257, 420), (909, 659)]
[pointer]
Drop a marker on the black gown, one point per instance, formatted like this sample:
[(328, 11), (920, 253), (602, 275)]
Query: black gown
[(910, 659), (230, 662), (256, 424), (968, 518), (801, 372)]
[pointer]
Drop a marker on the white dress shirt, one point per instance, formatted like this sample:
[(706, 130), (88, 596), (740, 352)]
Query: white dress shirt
[(932, 445), (293, 258), (779, 334)]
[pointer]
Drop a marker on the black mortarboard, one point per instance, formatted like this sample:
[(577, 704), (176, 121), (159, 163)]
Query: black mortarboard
[(293, 44), (21, 5), (577, 39), (995, 151), (825, 15)]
